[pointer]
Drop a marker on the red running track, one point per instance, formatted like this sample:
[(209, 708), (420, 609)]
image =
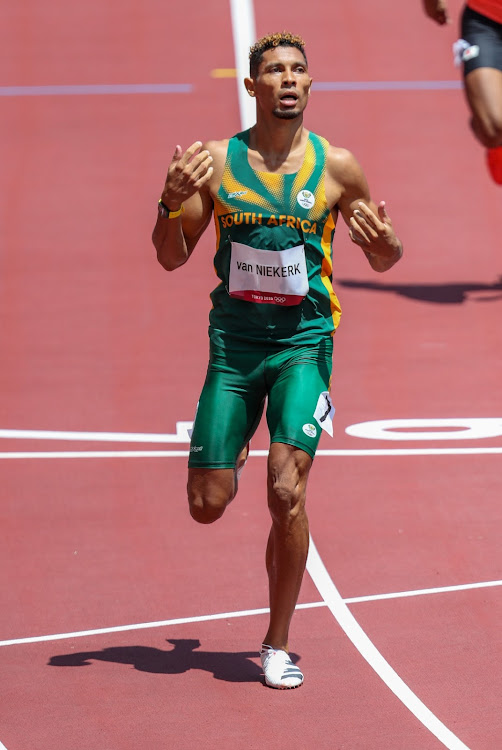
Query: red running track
[(118, 627)]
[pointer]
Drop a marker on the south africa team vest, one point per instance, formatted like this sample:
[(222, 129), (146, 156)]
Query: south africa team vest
[(274, 236)]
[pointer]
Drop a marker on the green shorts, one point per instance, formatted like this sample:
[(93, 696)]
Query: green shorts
[(295, 383)]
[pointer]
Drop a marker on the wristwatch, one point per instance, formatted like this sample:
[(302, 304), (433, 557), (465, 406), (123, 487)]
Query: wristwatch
[(166, 212)]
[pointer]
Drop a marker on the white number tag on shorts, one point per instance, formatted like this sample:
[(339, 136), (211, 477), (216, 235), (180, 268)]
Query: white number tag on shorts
[(274, 277), (324, 413)]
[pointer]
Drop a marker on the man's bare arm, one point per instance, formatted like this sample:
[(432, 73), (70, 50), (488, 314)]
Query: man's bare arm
[(185, 188), (370, 226)]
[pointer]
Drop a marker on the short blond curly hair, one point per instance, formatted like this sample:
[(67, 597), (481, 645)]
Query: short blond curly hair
[(280, 38)]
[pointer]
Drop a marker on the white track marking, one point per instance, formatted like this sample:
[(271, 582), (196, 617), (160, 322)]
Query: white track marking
[(95, 454), (385, 85), (242, 613), (136, 626), (97, 89), (256, 453), (366, 648), (464, 428), (243, 28), (423, 592), (180, 436), (186, 88)]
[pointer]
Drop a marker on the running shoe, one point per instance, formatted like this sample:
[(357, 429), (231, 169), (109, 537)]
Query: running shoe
[(279, 670), (494, 160)]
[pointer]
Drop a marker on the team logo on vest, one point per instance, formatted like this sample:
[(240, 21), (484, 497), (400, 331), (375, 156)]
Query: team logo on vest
[(310, 430), (305, 198), (237, 194)]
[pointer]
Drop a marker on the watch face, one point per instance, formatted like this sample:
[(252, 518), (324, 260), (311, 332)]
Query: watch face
[(162, 211)]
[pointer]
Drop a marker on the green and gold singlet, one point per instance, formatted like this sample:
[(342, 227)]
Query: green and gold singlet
[(256, 215)]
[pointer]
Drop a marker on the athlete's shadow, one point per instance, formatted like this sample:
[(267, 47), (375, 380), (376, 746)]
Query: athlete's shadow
[(442, 294), (230, 667)]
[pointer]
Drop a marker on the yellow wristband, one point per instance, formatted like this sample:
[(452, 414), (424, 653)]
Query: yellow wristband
[(166, 213)]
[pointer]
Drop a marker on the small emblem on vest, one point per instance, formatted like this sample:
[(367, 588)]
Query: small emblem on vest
[(237, 194), (305, 198)]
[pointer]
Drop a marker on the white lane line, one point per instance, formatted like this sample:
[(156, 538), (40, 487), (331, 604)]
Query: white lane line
[(97, 89), (368, 650), (136, 626), (242, 613), (414, 452), (244, 35), (257, 453), (180, 436), (243, 22), (95, 454), (423, 592), (386, 85)]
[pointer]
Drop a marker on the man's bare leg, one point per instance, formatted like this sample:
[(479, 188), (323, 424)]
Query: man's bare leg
[(287, 548), (286, 557), (211, 490)]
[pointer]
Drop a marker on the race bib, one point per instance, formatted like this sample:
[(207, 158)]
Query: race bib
[(324, 412), (273, 277)]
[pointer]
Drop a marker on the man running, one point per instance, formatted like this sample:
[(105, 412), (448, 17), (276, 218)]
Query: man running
[(276, 191), (480, 52)]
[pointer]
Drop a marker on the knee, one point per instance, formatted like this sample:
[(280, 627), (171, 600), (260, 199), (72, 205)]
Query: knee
[(493, 134), (206, 509), (285, 502), (489, 130), (209, 494)]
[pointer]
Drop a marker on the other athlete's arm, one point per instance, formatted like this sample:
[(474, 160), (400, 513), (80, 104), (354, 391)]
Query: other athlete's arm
[(369, 225), (437, 10), (185, 188)]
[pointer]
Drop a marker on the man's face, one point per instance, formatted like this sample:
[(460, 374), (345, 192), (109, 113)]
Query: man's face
[(282, 85)]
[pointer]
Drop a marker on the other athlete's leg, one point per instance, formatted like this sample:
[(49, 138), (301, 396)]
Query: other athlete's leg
[(483, 88), (482, 60)]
